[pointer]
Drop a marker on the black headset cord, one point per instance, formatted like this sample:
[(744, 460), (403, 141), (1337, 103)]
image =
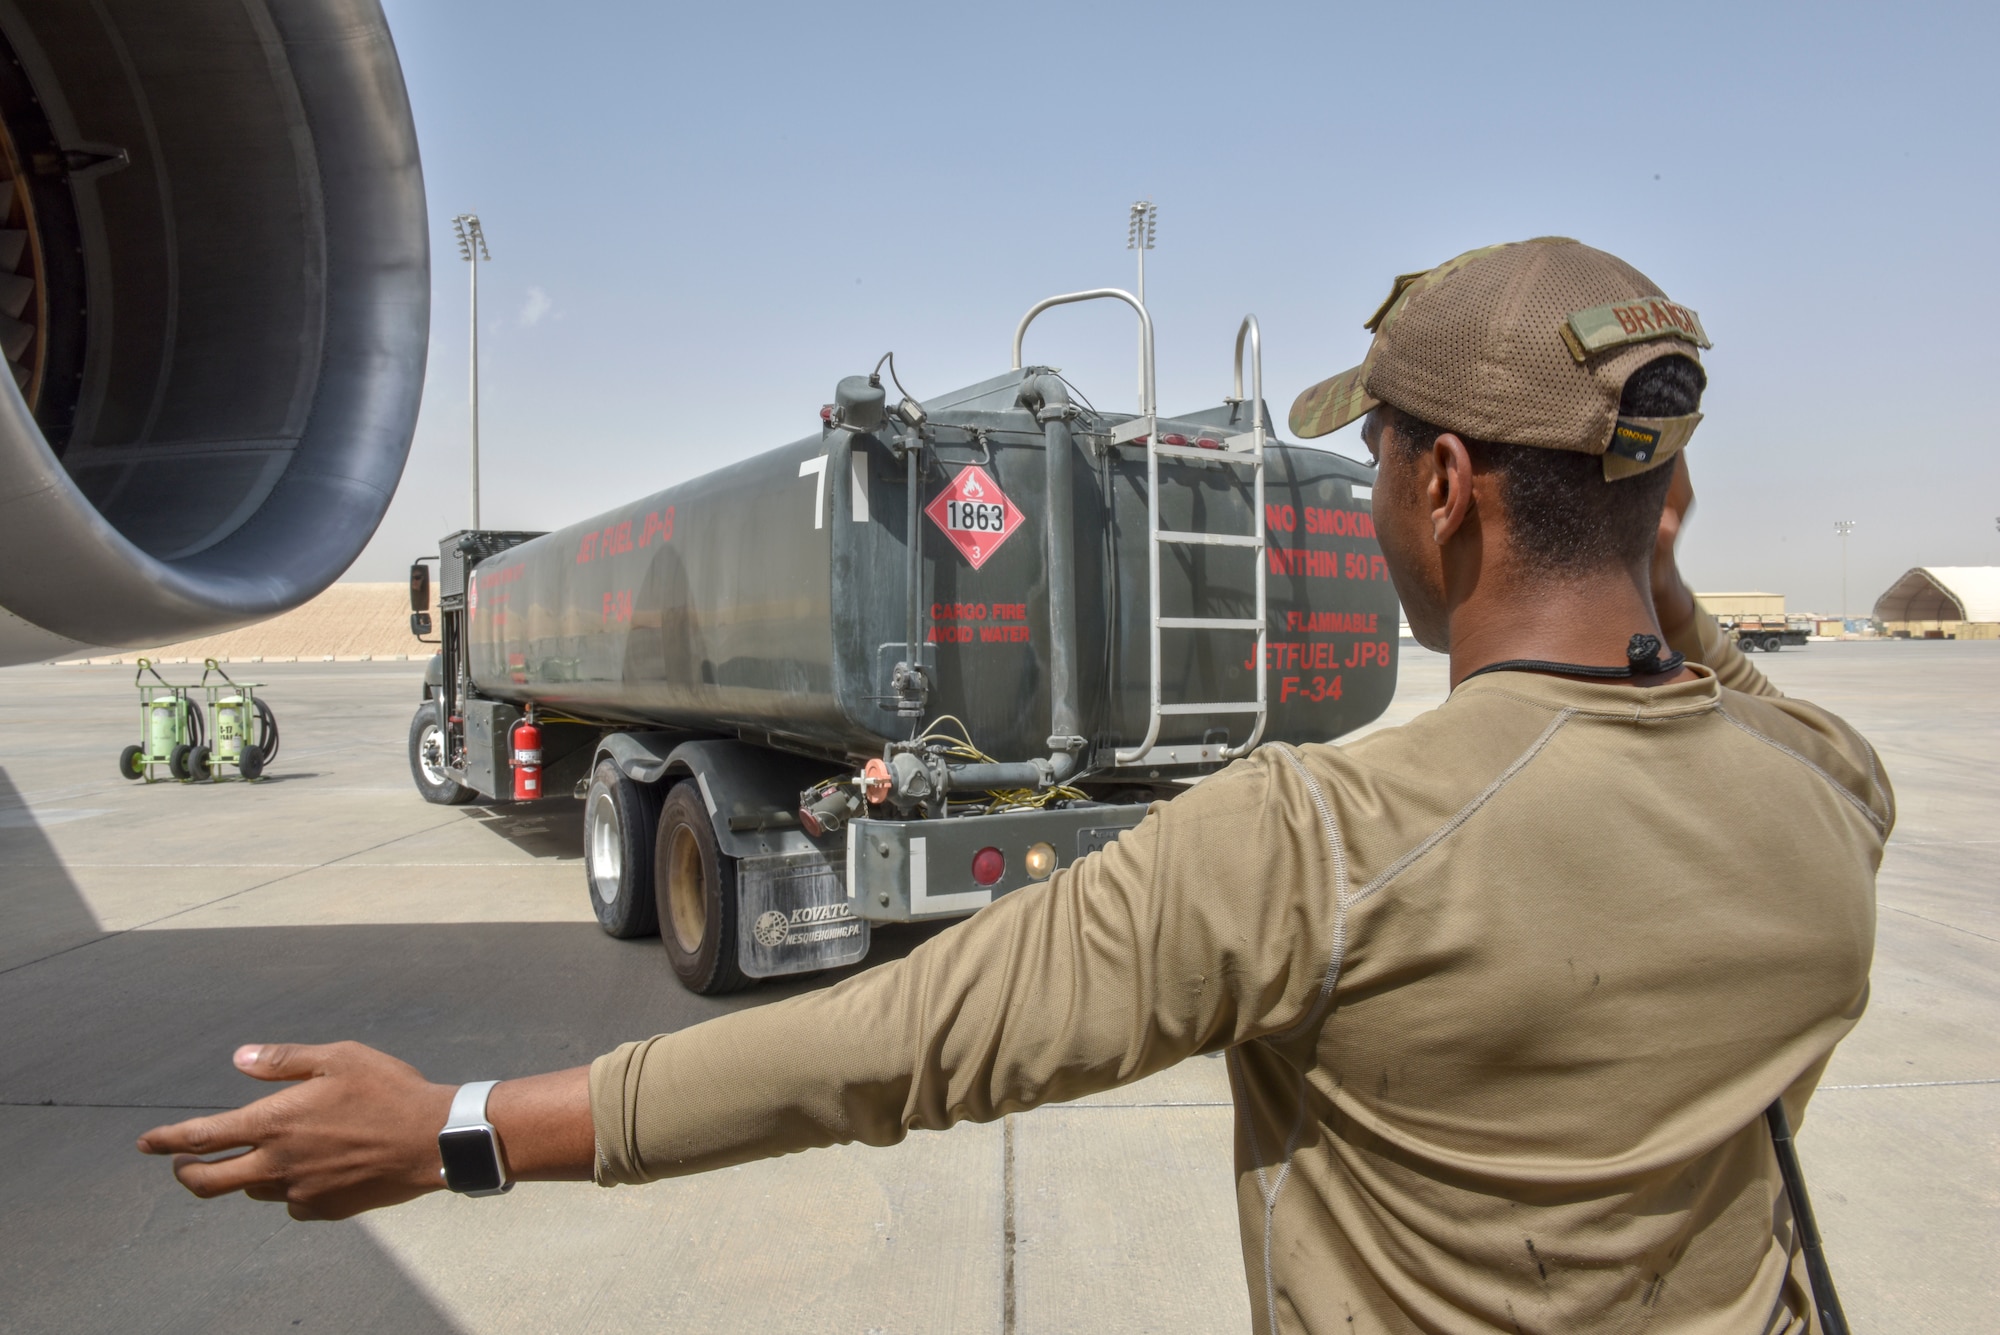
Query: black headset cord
[(1642, 659)]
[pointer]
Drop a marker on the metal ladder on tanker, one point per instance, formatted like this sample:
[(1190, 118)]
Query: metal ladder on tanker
[(1240, 451), (1245, 450)]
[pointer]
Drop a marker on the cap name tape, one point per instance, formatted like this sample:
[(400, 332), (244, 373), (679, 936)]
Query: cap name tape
[(1636, 321)]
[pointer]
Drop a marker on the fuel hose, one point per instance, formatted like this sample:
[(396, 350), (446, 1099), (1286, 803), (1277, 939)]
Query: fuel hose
[(267, 741)]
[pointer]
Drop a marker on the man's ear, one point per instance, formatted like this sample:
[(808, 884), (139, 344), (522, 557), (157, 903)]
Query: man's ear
[(1449, 490)]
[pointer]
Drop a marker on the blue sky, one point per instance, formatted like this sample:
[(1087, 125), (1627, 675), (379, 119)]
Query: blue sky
[(702, 217)]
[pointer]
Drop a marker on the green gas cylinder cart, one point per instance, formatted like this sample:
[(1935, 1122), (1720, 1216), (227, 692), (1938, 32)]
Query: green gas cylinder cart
[(170, 729), (233, 708)]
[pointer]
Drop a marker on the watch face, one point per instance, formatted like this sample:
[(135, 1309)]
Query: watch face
[(471, 1159)]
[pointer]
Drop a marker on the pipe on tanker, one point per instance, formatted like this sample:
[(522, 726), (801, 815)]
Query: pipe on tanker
[(913, 579), (1049, 397), (981, 778), (1055, 414)]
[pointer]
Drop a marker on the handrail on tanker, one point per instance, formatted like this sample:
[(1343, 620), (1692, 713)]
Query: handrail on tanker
[(1257, 512), (1249, 326), (1150, 406)]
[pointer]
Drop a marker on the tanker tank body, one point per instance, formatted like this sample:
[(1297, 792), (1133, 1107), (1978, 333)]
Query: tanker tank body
[(920, 658)]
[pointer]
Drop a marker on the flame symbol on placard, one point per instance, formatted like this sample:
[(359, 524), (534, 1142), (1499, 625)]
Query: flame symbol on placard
[(971, 486)]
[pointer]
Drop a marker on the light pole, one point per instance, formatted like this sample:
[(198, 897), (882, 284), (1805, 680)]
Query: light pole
[(472, 249), (1843, 527), (1140, 226)]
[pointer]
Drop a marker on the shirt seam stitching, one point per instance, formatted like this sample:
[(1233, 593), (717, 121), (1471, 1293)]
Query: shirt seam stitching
[(1596, 711), (1881, 826), (1465, 813)]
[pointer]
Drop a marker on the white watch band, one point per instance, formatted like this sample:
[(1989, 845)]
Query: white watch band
[(468, 1106)]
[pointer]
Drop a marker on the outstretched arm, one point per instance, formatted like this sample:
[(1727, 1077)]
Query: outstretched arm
[(1154, 949), (359, 1131)]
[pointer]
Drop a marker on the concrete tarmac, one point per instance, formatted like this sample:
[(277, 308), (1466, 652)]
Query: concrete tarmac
[(146, 930)]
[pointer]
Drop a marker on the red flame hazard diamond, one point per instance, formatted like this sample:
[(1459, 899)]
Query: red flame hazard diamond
[(975, 514)]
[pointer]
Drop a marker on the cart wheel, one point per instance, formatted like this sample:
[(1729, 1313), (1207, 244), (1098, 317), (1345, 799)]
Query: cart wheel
[(177, 762), (198, 765), (251, 763), (620, 820), (132, 762), (695, 883), (427, 760)]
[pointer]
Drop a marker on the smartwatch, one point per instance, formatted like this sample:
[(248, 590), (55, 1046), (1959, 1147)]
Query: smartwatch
[(470, 1147)]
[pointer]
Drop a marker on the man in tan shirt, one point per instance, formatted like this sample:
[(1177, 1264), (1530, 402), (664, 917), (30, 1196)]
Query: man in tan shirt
[(1500, 1026)]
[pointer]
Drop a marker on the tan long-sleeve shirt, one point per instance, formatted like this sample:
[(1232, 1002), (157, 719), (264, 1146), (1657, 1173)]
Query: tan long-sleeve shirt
[(1504, 993)]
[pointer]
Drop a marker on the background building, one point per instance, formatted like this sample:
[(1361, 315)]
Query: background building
[(1943, 603)]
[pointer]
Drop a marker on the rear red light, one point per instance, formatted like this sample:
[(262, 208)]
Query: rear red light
[(988, 866), (1209, 443), (826, 413), (1175, 439)]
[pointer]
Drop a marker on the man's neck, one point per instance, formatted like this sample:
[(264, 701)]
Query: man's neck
[(1587, 621)]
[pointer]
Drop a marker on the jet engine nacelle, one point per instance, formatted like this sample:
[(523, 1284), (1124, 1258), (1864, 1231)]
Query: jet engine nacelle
[(214, 310)]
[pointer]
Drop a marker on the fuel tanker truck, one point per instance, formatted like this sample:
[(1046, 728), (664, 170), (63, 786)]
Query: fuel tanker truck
[(925, 656)]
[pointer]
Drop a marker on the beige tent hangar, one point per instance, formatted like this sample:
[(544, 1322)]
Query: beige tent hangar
[(1943, 603)]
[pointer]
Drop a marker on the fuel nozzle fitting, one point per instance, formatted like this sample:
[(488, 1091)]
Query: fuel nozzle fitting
[(826, 809)]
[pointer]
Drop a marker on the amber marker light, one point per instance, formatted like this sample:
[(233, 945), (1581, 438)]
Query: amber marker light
[(1040, 861)]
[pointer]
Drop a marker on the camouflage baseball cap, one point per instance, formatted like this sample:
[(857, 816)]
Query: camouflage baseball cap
[(1527, 343)]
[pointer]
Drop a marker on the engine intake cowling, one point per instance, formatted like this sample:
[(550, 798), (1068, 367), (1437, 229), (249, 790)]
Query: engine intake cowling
[(214, 310)]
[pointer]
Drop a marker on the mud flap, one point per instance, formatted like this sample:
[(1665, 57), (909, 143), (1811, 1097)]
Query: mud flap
[(793, 916)]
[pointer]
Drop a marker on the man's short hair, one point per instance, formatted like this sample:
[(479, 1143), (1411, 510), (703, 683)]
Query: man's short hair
[(1561, 512)]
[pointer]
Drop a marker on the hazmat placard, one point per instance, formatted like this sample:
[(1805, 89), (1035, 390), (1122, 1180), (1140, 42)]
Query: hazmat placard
[(975, 514)]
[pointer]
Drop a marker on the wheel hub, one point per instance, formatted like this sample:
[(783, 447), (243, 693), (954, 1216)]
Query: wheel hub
[(606, 847), (687, 898), (430, 755)]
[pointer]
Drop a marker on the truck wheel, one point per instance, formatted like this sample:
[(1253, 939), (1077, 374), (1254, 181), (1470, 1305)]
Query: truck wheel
[(132, 762), (619, 823), (1746, 644), (1772, 644), (696, 886), (427, 760)]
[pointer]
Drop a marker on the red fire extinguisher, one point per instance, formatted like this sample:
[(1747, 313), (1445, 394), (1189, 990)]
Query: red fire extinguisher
[(527, 743)]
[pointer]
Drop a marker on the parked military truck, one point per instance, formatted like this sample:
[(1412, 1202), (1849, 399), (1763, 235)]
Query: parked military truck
[(924, 656), (1758, 621)]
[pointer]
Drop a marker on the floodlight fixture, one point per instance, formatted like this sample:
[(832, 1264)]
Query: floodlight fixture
[(471, 236), (1142, 225)]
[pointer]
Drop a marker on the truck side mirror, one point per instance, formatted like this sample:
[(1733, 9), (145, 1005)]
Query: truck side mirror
[(420, 591), (420, 624)]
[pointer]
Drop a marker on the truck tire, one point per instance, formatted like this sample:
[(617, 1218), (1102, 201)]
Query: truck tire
[(620, 820), (696, 886), (1772, 644), (427, 760), (1746, 644)]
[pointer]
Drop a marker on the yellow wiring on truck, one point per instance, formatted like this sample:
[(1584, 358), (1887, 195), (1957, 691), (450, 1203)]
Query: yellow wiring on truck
[(1000, 799)]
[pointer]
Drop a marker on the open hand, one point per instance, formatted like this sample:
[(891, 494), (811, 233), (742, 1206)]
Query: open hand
[(358, 1132)]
